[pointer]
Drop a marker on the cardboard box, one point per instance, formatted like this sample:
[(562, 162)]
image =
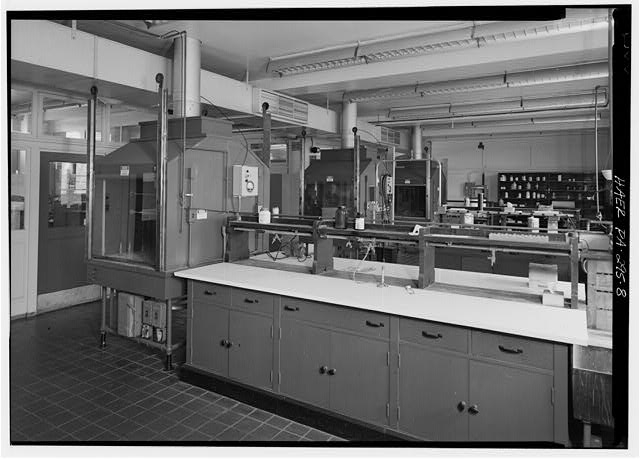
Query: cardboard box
[(147, 312), (159, 315), (552, 298), (129, 314)]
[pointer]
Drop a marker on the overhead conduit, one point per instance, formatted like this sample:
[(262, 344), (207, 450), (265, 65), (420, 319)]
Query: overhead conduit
[(390, 48)]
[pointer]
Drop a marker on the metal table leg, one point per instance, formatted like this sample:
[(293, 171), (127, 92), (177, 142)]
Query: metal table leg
[(168, 362), (586, 434), (103, 320)]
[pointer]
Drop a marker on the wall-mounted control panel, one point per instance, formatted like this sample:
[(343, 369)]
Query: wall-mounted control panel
[(245, 181)]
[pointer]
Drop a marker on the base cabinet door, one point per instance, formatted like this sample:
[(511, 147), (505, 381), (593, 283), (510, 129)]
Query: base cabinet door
[(251, 349), (509, 404), (209, 330), (305, 356), (359, 377), (433, 394)]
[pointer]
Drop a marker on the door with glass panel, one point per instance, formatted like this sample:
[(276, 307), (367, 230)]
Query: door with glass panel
[(61, 232)]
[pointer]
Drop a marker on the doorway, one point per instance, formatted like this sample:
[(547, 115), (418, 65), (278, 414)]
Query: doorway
[(61, 231)]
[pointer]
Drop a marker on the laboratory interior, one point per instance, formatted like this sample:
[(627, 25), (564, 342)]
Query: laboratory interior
[(376, 228)]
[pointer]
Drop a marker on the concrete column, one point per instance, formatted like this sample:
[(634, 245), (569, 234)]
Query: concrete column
[(349, 116), (192, 80), (416, 142)]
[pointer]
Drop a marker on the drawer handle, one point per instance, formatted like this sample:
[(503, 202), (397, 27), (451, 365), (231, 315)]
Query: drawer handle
[(291, 308), (431, 335), (209, 292), (508, 350), (323, 369), (249, 300), (473, 409), (331, 372), (374, 324)]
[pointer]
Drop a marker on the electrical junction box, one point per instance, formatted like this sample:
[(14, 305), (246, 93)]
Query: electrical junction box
[(245, 181)]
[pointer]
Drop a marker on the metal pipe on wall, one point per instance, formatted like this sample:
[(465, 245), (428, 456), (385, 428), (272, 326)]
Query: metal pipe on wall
[(416, 142), (161, 174), (427, 151), (91, 155), (356, 170), (349, 120), (303, 146), (595, 108)]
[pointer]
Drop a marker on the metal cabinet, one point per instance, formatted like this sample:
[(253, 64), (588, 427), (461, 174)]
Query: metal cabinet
[(208, 327), (251, 349), (305, 354), (360, 379), (231, 343), (343, 372), (509, 404), (433, 394)]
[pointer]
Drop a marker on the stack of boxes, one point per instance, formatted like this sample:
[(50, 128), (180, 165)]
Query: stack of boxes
[(154, 321), (600, 294), (129, 314)]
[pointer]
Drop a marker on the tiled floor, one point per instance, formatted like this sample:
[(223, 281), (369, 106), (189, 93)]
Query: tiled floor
[(65, 388)]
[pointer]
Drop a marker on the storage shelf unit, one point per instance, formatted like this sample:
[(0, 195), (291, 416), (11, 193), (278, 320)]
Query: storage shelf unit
[(529, 189)]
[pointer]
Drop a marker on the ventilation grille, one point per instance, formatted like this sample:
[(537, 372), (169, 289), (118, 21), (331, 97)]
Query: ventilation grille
[(389, 136), (281, 107)]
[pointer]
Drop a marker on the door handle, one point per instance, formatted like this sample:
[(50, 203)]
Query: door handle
[(508, 350), (331, 372), (249, 300), (209, 292), (291, 308), (229, 344), (374, 324), (473, 409), (462, 406), (323, 369), (224, 343), (431, 335)]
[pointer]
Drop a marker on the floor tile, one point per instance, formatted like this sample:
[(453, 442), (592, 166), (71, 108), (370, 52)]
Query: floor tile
[(212, 428), (264, 432), (286, 436), (279, 422), (64, 387), (317, 435), (230, 434)]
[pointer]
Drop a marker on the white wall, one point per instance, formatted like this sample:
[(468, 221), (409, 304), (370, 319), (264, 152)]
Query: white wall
[(546, 152)]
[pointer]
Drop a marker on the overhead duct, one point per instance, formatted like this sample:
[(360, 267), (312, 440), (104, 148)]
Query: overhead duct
[(186, 76), (470, 35), (592, 70)]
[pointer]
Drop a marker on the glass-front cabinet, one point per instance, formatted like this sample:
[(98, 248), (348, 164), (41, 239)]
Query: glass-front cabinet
[(124, 225)]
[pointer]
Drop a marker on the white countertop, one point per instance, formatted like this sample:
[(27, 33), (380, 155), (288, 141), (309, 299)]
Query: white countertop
[(513, 317)]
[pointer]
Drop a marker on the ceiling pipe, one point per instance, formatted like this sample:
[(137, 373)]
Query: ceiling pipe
[(513, 107), (474, 36), (504, 80)]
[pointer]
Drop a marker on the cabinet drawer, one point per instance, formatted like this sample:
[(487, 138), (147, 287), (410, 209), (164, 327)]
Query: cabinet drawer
[(357, 320), (512, 349), (252, 301), (211, 293), (434, 334)]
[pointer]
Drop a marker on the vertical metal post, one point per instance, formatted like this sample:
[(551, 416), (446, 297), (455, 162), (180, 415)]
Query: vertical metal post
[(161, 175), (595, 118), (303, 147), (428, 207), (103, 317), (393, 189), (575, 267), (91, 155), (168, 344), (356, 170)]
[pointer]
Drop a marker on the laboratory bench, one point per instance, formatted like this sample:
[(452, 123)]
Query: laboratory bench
[(475, 357)]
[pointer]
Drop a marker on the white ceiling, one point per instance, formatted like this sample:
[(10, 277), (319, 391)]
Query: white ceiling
[(231, 47)]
